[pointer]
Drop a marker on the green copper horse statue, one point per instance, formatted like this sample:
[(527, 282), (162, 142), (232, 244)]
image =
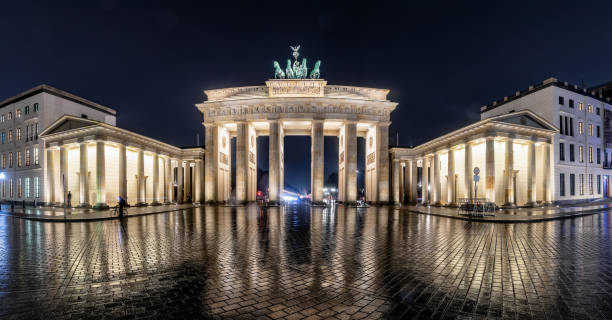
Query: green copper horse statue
[(278, 72), (316, 73)]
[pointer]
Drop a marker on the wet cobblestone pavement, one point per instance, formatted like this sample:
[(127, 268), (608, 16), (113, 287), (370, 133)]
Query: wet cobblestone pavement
[(245, 263)]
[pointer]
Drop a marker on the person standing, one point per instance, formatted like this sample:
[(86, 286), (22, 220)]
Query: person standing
[(69, 200), (121, 206)]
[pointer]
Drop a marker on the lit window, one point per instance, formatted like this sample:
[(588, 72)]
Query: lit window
[(590, 129), (3, 118), (590, 154), (18, 134), (582, 184), (27, 157), (11, 187), (580, 127), (580, 106), (3, 188), (590, 108), (36, 155), (36, 189), (18, 114), (4, 161), (27, 187), (19, 188), (591, 183), (10, 115), (581, 154), (10, 136), (19, 163), (10, 159)]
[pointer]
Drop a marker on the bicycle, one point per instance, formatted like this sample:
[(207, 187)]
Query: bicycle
[(115, 211)]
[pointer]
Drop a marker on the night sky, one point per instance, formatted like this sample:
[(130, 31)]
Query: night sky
[(441, 61)]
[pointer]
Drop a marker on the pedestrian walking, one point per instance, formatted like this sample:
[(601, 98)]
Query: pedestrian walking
[(69, 199), (121, 206)]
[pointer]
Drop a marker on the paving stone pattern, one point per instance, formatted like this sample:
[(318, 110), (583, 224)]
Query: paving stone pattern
[(291, 263)]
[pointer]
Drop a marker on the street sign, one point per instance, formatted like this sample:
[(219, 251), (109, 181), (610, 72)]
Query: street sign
[(476, 171), (476, 178)]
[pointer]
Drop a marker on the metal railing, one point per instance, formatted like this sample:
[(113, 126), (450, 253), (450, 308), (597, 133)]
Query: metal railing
[(476, 206)]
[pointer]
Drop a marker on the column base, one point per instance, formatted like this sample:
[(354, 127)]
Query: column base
[(100, 206), (509, 205), (141, 204), (156, 203), (452, 205), (83, 205), (437, 204)]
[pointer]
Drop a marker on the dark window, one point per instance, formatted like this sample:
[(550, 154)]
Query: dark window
[(560, 100), (598, 155), (598, 184), (571, 103), (571, 152), (561, 125), (566, 130), (27, 109), (605, 159), (598, 131), (84, 116), (35, 107), (572, 184), (597, 110), (562, 151), (571, 127), (562, 184)]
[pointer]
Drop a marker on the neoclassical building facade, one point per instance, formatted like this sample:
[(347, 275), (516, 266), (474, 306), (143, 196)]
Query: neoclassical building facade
[(285, 107), (511, 151), (97, 162)]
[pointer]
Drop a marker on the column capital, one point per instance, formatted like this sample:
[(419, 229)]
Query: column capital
[(317, 120), (383, 123)]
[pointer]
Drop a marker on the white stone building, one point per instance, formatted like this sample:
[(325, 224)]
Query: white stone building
[(22, 119), (578, 147)]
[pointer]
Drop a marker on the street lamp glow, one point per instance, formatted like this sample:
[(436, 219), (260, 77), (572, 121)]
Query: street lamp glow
[(2, 175)]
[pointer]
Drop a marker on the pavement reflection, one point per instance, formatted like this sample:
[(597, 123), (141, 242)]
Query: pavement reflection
[(298, 261)]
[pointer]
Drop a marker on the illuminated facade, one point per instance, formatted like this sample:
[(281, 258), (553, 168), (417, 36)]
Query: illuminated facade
[(512, 152), (579, 153), (285, 107), (98, 162), (22, 154)]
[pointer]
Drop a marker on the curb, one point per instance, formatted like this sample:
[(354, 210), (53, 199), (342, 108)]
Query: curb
[(38, 218), (539, 219)]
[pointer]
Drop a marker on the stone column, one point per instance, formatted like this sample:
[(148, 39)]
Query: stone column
[(469, 171), (83, 183), (317, 173), (141, 179), (180, 175), (450, 182), (242, 161), (49, 180), (63, 173), (403, 186), (509, 174), (425, 180), (414, 181), (548, 192), (210, 166), (274, 174), (350, 161), (197, 180), (187, 182), (168, 183), (531, 173), (382, 161), (396, 180), (490, 169), (156, 179), (100, 177), (123, 172), (437, 186)]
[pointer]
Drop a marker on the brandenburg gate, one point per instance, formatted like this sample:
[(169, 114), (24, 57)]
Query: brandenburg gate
[(296, 104)]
